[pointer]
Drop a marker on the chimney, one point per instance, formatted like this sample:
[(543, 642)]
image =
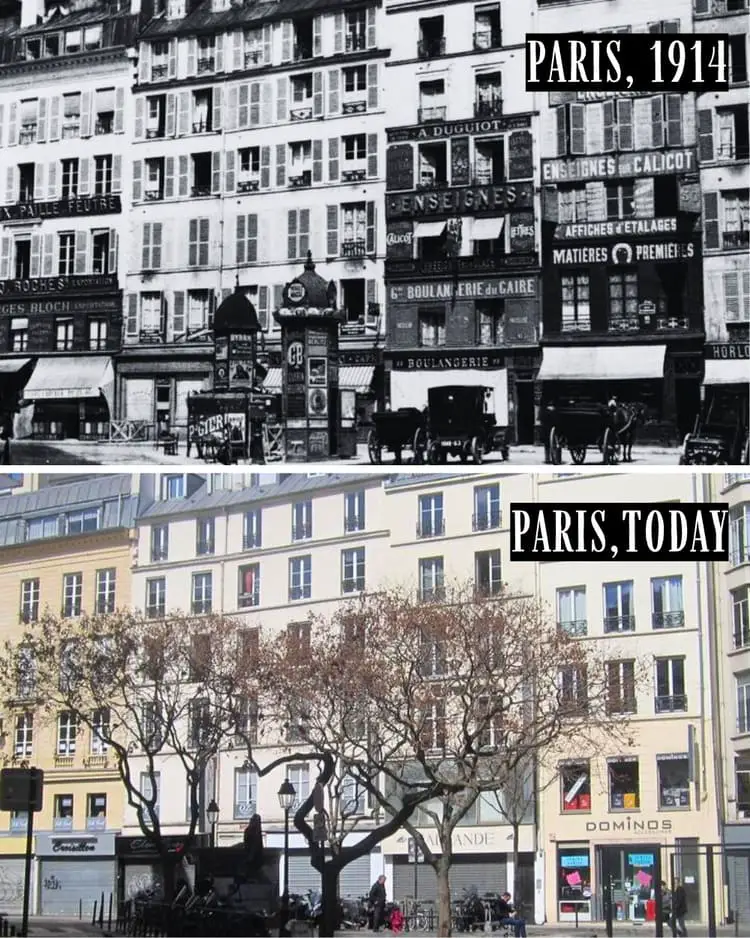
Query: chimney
[(31, 12)]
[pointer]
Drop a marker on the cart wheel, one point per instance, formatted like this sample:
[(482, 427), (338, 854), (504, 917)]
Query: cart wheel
[(397, 455), (433, 453), (477, 450), (555, 448), (374, 449), (609, 448), (578, 454), (419, 445)]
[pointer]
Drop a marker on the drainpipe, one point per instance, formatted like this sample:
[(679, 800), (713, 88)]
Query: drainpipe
[(700, 496)]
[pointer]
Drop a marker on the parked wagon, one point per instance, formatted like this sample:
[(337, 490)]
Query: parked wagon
[(461, 422), (720, 435), (577, 427), (396, 431)]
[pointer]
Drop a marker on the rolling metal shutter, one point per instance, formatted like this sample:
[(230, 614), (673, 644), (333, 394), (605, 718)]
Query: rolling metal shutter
[(487, 874), (11, 885), (738, 869), (302, 876), (66, 883), (354, 880)]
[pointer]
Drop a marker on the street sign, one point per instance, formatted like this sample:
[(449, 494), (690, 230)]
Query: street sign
[(21, 789)]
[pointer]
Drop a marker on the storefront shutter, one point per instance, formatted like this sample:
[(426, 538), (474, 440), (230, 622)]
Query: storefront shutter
[(67, 885), (711, 219), (355, 880), (302, 876), (11, 885)]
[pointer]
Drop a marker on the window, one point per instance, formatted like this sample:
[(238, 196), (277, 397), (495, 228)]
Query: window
[(24, 736), (299, 776), (99, 731), (63, 334), (201, 593), (735, 208), (67, 731), (353, 570), (432, 728), (105, 590), (245, 794), (298, 635), (354, 511), (575, 780), (431, 521), (156, 597), (151, 251), (248, 159), (155, 115), (96, 812), (741, 616), (571, 205), (63, 813), (353, 797), (22, 261), (739, 534), (486, 507), (487, 575), (300, 577), (246, 718), (82, 522), (252, 531), (623, 301), (92, 37), (355, 148), (198, 253), (618, 607), (43, 527), (249, 586), (98, 333), (624, 783), (66, 249), (150, 788), (153, 179), (72, 591), (71, 120), (431, 582), (621, 687), (737, 59), (104, 109), (28, 119), (172, 486), (72, 41), (202, 110), (159, 542), (301, 520), (670, 685), (354, 229), (253, 41), (571, 610), (26, 673), (743, 702), (432, 163), (491, 322), (206, 54), (732, 133), (431, 38), (29, 600), (19, 334), (742, 783), (666, 599), (159, 60), (674, 784), (431, 101), (488, 101), (354, 79), (431, 327), (198, 722), (204, 536), (26, 182), (620, 200), (574, 694), (152, 310)]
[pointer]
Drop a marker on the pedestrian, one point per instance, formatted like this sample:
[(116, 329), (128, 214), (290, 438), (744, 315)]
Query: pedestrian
[(6, 435), (679, 909), (377, 901), (666, 902), (508, 916)]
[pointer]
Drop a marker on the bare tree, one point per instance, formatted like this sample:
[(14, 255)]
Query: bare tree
[(144, 689)]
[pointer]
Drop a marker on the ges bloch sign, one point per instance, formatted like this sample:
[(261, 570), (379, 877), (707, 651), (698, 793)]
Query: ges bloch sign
[(621, 532)]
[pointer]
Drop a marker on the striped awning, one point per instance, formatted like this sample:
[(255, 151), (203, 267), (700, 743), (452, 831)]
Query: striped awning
[(273, 380), (356, 377)]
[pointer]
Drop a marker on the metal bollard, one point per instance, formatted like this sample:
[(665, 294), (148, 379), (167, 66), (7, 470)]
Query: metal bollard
[(576, 915), (80, 909), (109, 914), (736, 923), (101, 913), (93, 916)]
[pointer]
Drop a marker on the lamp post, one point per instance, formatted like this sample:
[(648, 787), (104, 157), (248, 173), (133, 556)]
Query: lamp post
[(287, 795), (212, 815)]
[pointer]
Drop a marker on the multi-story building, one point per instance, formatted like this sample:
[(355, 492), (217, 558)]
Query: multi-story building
[(621, 249), (66, 549), (729, 589), (724, 160), (64, 85), (258, 138), (462, 269)]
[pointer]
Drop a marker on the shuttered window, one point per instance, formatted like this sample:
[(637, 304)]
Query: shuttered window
[(198, 242)]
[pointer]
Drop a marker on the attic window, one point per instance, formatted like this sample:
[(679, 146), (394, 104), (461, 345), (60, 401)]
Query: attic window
[(52, 44), (73, 40), (92, 37), (33, 48)]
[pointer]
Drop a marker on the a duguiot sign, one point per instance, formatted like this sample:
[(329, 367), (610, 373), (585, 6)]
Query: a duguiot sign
[(58, 285), (725, 351), (624, 253), (464, 289), (439, 131), (470, 200), (643, 163), (615, 229), (65, 208)]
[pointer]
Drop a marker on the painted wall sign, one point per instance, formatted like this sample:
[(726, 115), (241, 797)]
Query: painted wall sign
[(457, 128), (94, 205), (104, 304), (624, 253), (566, 97), (628, 825), (58, 285), (408, 361), (470, 201), (727, 350), (464, 289), (643, 163), (358, 357), (616, 229), (81, 845)]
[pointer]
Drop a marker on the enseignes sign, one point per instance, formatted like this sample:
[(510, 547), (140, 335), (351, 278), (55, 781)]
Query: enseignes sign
[(64, 208), (464, 201), (58, 285), (644, 163)]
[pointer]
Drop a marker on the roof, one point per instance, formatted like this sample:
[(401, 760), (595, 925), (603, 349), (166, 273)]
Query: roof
[(236, 314), (287, 489), (421, 478)]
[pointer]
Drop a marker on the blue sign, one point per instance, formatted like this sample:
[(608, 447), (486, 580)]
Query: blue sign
[(641, 859), (571, 862)]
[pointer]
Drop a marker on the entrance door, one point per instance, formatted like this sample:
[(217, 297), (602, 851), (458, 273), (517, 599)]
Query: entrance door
[(688, 868), (525, 412), (630, 871)]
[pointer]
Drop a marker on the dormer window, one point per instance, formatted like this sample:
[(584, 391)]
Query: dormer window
[(34, 48), (92, 37), (303, 38), (72, 41), (159, 60), (52, 45)]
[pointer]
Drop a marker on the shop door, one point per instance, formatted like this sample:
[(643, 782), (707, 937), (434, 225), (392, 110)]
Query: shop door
[(688, 867), (302, 876), (738, 875), (630, 870), (525, 412), (11, 885), (355, 878), (67, 886)]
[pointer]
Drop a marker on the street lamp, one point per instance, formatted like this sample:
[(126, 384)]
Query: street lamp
[(287, 795), (212, 815)]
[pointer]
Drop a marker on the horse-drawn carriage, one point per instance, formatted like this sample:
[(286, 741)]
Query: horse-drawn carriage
[(578, 426), (395, 431), (720, 435)]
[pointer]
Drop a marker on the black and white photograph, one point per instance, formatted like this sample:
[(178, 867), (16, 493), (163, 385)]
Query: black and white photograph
[(358, 226)]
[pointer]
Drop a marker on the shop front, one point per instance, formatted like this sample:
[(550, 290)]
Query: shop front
[(12, 862), (139, 867), (74, 872), (72, 397)]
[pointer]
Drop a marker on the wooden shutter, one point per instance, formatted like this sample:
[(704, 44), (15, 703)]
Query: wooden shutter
[(278, 295), (561, 129), (317, 44), (170, 122), (229, 176), (263, 313), (674, 119), (54, 117), (332, 228), (241, 239), (231, 118), (370, 210), (216, 172), (117, 173), (291, 243), (705, 135), (642, 123), (204, 233), (84, 176), (267, 103), (183, 177), (286, 40), (41, 129), (113, 251), (304, 232), (577, 129), (334, 97), (594, 128), (265, 167), (238, 60), (333, 159), (146, 246), (252, 239), (11, 186), (193, 243), (2, 123), (282, 108), (137, 180), (13, 124), (657, 121), (372, 86), (317, 158), (280, 164), (7, 246), (40, 191), (140, 117), (711, 237), (144, 62), (81, 249), (338, 33), (156, 235), (86, 107), (169, 177), (172, 63), (131, 318), (183, 113), (216, 95), (119, 119), (625, 123), (372, 155), (608, 127), (243, 111), (52, 181), (48, 256), (220, 40), (178, 312), (371, 37), (267, 43), (254, 118), (35, 267), (318, 94), (192, 55)]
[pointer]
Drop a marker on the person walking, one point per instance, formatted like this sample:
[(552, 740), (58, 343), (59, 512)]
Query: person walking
[(377, 901), (679, 910), (508, 916)]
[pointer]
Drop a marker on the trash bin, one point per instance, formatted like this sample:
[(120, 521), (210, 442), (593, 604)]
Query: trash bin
[(650, 910)]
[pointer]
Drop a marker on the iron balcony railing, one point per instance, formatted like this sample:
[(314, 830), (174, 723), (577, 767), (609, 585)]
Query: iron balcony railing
[(670, 703), (619, 624), (431, 48), (668, 620)]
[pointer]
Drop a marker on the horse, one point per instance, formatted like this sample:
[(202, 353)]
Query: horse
[(625, 420)]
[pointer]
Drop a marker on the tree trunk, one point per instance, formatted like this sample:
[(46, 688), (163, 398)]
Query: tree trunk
[(330, 900), (442, 871), (517, 872)]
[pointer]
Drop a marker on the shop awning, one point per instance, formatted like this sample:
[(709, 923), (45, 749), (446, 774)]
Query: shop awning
[(272, 380), (356, 377), (735, 371), (429, 229), (11, 366), (70, 376), (487, 229), (602, 363)]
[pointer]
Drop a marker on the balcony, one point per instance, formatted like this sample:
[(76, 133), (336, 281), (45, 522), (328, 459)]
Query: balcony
[(244, 809), (358, 106), (64, 762), (199, 191), (19, 823), (672, 703), (427, 115), (247, 600), (159, 72), (104, 124), (352, 524), (302, 531), (27, 133), (206, 63), (355, 42), (251, 542), (353, 585), (668, 620), (432, 594), (153, 195), (248, 185), (62, 824), (204, 548), (155, 612), (71, 128), (299, 592), (741, 636), (303, 113), (354, 175), (302, 51), (575, 627), (487, 39), (300, 181), (489, 108), (353, 248), (736, 239), (430, 181), (430, 48), (153, 133), (485, 521), (153, 337), (619, 624), (672, 324), (431, 527), (200, 127), (98, 823), (253, 57)]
